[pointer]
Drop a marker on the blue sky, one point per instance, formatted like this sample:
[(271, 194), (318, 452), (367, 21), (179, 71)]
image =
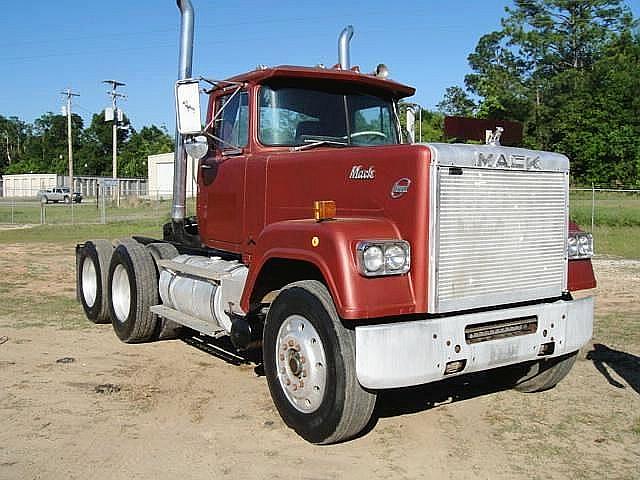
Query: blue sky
[(47, 46)]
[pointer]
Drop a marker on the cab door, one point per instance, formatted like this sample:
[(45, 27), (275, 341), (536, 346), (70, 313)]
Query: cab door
[(221, 176)]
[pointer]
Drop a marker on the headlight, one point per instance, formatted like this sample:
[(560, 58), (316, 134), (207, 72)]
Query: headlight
[(373, 258), (384, 257), (580, 245)]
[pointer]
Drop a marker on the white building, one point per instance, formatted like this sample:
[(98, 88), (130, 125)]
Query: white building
[(28, 184), (160, 175)]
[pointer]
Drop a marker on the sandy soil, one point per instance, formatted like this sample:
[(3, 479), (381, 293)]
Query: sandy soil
[(169, 410)]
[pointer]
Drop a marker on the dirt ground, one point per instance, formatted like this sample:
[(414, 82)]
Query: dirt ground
[(77, 403)]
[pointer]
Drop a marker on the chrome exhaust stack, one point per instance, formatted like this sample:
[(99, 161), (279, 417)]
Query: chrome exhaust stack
[(178, 208), (343, 47)]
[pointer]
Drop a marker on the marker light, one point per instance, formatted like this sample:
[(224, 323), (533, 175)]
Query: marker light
[(324, 210)]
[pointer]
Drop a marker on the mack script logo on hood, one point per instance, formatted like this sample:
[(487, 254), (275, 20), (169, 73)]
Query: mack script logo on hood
[(358, 172), (501, 160)]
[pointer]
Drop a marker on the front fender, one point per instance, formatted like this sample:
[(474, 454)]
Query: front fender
[(333, 254)]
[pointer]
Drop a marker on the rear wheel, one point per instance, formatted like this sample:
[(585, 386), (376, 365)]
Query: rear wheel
[(92, 262), (44, 200), (133, 291), (166, 329), (309, 362), (544, 374)]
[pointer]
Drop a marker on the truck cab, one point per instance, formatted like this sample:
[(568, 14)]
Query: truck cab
[(354, 261)]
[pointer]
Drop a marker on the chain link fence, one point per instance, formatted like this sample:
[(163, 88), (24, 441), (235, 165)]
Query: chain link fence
[(591, 207), (102, 209)]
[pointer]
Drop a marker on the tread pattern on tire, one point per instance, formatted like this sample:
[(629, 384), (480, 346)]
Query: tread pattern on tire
[(141, 323), (102, 249), (162, 251)]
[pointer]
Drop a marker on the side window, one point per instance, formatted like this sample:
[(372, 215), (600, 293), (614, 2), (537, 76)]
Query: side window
[(232, 125)]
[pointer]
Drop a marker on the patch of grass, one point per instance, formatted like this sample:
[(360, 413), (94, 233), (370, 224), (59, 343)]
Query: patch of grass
[(20, 310), (80, 233), (636, 426), (617, 241), (618, 329)]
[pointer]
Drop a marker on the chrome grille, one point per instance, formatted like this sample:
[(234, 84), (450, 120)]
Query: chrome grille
[(501, 237)]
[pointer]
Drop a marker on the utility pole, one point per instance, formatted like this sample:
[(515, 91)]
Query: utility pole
[(68, 93), (8, 152), (114, 104)]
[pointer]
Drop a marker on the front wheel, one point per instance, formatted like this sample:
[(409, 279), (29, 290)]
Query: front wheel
[(309, 362)]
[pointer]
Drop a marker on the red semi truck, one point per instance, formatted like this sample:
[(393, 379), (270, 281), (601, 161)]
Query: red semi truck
[(354, 261)]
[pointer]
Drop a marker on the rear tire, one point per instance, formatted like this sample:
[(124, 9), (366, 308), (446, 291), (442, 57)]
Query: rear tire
[(162, 251), (545, 374), (133, 290), (309, 362), (92, 271), (166, 329), (44, 200)]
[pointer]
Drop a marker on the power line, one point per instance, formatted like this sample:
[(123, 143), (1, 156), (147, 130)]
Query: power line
[(243, 41), (129, 33)]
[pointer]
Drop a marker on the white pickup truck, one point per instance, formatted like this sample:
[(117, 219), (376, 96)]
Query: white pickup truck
[(59, 194)]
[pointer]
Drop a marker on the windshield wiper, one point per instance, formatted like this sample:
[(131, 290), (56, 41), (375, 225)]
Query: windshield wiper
[(319, 143)]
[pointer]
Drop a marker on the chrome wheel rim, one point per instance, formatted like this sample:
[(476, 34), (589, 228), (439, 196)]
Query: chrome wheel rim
[(89, 282), (301, 364), (120, 293)]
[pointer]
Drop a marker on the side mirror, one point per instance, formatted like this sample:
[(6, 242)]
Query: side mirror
[(196, 147), (188, 107)]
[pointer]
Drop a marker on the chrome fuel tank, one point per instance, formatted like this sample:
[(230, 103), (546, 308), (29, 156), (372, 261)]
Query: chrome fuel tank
[(203, 298)]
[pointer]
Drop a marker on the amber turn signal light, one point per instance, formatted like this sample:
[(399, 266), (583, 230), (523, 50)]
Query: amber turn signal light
[(324, 210)]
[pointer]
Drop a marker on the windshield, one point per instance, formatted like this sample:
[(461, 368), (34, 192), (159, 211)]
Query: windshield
[(297, 116)]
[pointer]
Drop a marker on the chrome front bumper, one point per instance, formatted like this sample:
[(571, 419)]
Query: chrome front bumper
[(412, 353)]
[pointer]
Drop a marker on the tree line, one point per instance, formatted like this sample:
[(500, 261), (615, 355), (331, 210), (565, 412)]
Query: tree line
[(41, 146), (569, 70)]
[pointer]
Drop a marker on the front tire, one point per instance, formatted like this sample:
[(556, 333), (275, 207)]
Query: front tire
[(545, 374), (309, 362), (133, 290)]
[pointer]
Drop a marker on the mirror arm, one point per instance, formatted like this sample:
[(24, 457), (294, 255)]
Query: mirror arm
[(218, 139), (217, 115)]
